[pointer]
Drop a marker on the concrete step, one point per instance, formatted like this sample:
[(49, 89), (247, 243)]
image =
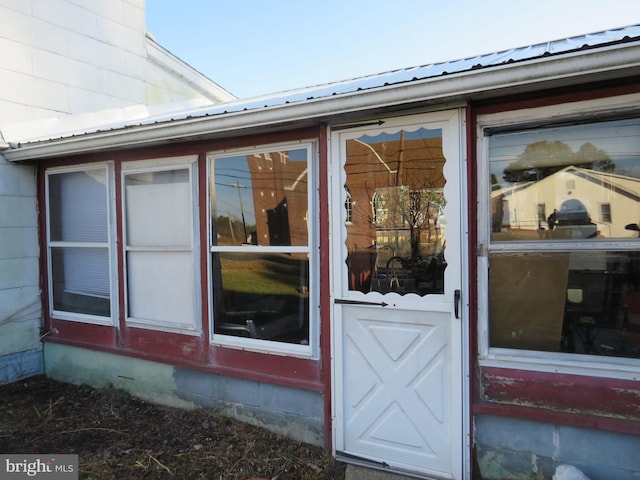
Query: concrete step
[(355, 472)]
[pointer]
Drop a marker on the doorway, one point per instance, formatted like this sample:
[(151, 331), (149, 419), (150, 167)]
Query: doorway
[(397, 295)]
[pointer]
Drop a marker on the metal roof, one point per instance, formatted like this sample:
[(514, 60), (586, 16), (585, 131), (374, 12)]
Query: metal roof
[(413, 74), (405, 76)]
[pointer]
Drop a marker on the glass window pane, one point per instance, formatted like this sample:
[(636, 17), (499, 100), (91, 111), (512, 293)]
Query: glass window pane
[(573, 302), (395, 236), (161, 287), (263, 296), (78, 206), (80, 280), (158, 208), (587, 178), (260, 199)]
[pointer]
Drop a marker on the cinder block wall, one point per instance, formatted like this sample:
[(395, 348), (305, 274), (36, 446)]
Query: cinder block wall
[(510, 448), (295, 413)]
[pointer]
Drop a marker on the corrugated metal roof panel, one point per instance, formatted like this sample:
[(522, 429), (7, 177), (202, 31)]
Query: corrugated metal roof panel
[(428, 71), (395, 77)]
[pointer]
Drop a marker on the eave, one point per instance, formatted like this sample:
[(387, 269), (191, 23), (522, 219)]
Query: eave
[(579, 67)]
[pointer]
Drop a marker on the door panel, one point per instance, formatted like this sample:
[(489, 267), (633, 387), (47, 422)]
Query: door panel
[(397, 265), (396, 399)]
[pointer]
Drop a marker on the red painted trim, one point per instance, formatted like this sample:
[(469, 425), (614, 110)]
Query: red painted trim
[(120, 252), (187, 351), (203, 219), (310, 133), (325, 288), (558, 96), (246, 363), (175, 149), (87, 333), (251, 366), (164, 344), (472, 206), (574, 419), (584, 401), (562, 392), (42, 243), (472, 235)]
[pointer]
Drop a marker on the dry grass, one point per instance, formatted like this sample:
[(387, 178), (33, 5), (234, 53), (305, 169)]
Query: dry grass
[(120, 437)]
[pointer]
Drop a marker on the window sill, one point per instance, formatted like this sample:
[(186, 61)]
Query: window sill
[(262, 346), (84, 319), (163, 328), (563, 363)]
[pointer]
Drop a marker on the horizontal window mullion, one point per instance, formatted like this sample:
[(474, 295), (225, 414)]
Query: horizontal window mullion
[(563, 246), (60, 244), (258, 249), (133, 248)]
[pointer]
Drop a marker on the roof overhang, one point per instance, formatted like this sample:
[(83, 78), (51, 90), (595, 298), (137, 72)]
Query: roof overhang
[(593, 65)]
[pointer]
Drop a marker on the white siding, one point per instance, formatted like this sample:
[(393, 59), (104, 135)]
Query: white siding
[(68, 64), (59, 58), (19, 279), (75, 55)]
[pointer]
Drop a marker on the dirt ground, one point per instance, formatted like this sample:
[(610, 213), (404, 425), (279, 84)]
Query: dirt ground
[(120, 437)]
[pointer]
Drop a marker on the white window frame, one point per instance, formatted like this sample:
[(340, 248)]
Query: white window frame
[(158, 165), (109, 245), (552, 362), (260, 345)]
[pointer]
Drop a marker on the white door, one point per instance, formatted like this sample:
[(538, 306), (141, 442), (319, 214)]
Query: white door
[(396, 283)]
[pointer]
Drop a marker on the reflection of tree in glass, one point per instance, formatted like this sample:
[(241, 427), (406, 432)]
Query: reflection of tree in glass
[(396, 190), (544, 158)]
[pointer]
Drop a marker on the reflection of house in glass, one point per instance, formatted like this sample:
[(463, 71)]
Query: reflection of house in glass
[(279, 197), (261, 199), (571, 203), (395, 184)]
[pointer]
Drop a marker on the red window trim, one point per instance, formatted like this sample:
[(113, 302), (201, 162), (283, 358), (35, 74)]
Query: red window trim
[(584, 400), (577, 400), (182, 350)]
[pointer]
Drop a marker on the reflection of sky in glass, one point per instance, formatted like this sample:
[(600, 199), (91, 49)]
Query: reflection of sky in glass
[(233, 185), (619, 139), (421, 133)]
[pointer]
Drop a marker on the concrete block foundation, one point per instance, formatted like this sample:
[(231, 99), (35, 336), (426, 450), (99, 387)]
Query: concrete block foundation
[(514, 449), (294, 413)]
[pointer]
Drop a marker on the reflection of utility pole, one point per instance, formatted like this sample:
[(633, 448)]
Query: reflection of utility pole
[(244, 225), (399, 172), (233, 235)]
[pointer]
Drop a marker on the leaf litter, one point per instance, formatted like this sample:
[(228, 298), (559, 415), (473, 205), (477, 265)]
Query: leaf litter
[(117, 436)]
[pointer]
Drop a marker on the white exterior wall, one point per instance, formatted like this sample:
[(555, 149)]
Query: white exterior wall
[(171, 83), (68, 65), (70, 56), (20, 310), (523, 211)]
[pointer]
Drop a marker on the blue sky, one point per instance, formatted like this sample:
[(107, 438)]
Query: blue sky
[(255, 47)]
